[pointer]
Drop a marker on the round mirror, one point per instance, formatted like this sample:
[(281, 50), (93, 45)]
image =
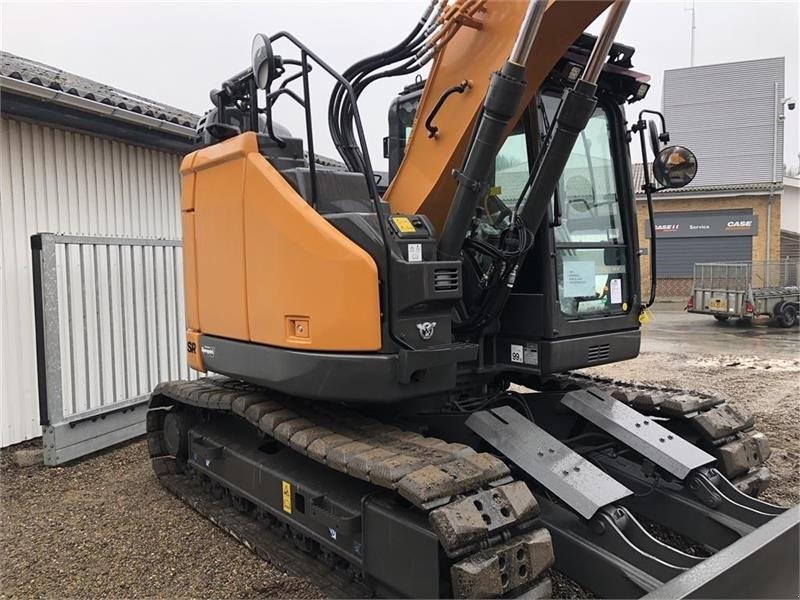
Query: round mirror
[(263, 61), (675, 166)]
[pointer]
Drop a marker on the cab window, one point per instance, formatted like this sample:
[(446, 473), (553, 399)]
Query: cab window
[(591, 256)]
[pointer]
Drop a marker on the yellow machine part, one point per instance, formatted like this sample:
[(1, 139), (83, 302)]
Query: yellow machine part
[(424, 183), (261, 265)]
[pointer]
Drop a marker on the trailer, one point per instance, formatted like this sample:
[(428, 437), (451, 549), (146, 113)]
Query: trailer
[(745, 290)]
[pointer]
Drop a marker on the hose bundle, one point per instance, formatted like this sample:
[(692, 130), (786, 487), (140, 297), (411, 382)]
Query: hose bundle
[(435, 28)]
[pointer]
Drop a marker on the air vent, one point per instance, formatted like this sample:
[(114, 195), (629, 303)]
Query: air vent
[(598, 353), (445, 279)]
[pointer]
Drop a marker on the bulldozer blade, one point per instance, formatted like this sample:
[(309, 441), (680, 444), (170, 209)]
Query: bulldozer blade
[(762, 564), (637, 431), (569, 476)]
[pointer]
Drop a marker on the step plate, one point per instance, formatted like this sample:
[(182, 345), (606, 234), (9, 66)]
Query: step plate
[(644, 435), (565, 473)]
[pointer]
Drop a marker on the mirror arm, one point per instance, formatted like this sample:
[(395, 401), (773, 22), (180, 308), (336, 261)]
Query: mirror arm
[(649, 188), (664, 137)]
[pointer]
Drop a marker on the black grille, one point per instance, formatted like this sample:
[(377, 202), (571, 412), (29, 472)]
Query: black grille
[(445, 279), (598, 353)]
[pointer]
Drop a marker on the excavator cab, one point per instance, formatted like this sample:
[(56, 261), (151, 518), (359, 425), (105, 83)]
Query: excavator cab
[(577, 299)]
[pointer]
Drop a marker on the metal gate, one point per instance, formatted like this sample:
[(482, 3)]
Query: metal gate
[(109, 327)]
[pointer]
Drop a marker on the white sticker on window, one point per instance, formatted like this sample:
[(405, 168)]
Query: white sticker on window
[(415, 253), (579, 278), (516, 353), (616, 291)]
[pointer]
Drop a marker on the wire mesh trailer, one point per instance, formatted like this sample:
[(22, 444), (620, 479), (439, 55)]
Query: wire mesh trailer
[(744, 290)]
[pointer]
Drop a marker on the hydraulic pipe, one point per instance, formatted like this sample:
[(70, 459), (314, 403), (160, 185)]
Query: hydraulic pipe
[(576, 108), (527, 32), (506, 88), (606, 38)]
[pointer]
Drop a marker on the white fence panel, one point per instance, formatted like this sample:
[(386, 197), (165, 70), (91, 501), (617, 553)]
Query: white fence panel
[(109, 327)]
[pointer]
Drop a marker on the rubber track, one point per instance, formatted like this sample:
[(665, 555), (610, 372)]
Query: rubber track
[(259, 537), (456, 462), (426, 471)]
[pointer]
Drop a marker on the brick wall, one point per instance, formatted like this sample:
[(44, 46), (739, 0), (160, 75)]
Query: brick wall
[(681, 288)]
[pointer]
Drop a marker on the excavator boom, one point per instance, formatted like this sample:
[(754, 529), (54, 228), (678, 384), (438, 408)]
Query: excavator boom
[(424, 183)]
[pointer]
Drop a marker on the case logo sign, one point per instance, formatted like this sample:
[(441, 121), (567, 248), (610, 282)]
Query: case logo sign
[(668, 227), (207, 351), (738, 225), (426, 329)]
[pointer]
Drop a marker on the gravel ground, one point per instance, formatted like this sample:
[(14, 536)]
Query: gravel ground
[(103, 527)]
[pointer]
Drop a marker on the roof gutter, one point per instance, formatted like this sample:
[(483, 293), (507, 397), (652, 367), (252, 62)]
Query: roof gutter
[(92, 106)]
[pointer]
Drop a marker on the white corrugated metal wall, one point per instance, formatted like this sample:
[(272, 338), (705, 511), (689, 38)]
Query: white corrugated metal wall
[(727, 115), (59, 181)]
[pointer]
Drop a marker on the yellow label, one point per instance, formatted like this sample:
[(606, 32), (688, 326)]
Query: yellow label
[(287, 497), (495, 190), (644, 317), (403, 225)]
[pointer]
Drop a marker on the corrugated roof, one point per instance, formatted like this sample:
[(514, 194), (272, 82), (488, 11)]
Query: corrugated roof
[(30, 71), (733, 188)]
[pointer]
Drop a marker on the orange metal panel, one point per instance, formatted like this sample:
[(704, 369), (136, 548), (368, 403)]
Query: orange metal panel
[(218, 239), (261, 265), (424, 183), (308, 286), (187, 182), (189, 271)]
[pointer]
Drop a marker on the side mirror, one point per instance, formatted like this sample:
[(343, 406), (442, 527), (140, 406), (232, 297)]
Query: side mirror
[(655, 142), (263, 61), (675, 166)]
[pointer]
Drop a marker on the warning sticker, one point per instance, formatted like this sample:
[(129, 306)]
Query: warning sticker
[(403, 225), (415, 253), (287, 497)]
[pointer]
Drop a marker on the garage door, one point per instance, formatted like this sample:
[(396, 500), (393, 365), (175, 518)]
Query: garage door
[(675, 257), (686, 238)]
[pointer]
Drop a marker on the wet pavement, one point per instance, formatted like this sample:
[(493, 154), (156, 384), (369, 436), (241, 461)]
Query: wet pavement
[(672, 330)]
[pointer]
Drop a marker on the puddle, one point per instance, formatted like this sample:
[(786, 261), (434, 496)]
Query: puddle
[(757, 363)]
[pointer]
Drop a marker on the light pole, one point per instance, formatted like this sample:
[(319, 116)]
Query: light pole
[(694, 27)]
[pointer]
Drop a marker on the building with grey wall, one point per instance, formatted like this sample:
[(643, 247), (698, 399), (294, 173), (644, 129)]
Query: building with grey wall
[(732, 117)]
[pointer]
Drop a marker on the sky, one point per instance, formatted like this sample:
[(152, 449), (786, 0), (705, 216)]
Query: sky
[(176, 52)]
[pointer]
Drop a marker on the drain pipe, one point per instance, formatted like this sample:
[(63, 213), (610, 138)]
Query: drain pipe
[(503, 96), (774, 176), (576, 108)]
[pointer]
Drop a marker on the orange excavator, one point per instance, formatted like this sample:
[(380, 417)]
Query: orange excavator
[(389, 406)]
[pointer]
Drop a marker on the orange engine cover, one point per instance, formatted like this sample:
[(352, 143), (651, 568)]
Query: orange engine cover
[(261, 265)]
